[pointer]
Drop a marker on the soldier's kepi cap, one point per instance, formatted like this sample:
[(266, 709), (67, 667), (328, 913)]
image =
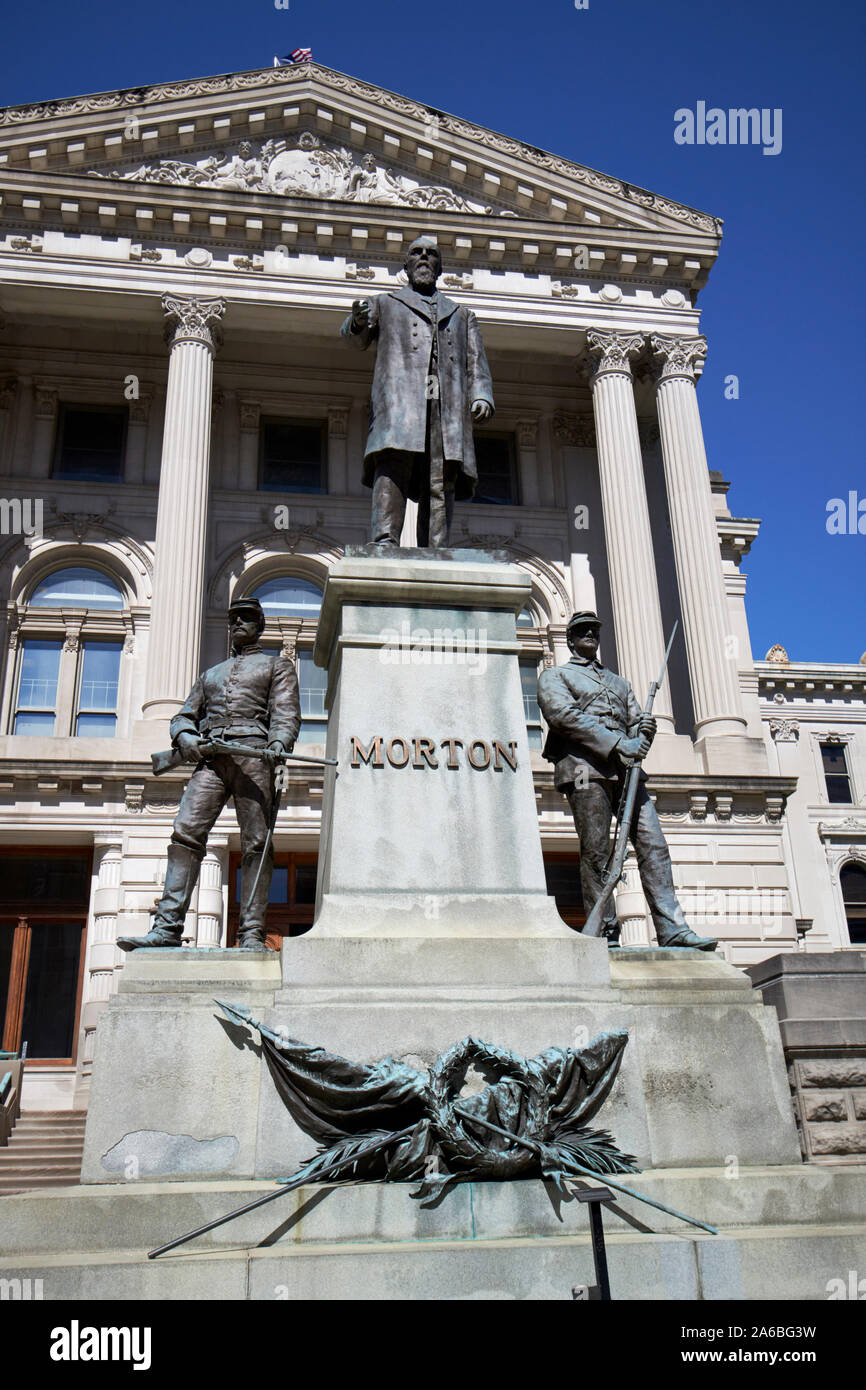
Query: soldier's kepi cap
[(586, 618), (250, 607)]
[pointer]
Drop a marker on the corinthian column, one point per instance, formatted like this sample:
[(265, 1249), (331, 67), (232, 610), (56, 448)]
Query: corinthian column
[(631, 565), (711, 652), (178, 586)]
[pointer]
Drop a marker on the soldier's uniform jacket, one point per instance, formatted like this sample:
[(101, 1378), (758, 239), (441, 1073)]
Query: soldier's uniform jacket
[(253, 693), (402, 323), (588, 710)]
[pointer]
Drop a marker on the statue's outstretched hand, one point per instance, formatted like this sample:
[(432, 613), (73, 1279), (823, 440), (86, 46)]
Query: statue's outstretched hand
[(481, 411), (360, 314)]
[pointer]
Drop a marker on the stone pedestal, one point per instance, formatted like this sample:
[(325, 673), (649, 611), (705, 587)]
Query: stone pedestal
[(178, 1092), (429, 827)]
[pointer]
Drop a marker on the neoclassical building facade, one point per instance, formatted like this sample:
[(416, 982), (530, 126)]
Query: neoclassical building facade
[(181, 425)]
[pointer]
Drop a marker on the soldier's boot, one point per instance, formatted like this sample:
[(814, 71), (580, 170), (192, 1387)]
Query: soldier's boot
[(251, 932), (180, 879), (686, 937)]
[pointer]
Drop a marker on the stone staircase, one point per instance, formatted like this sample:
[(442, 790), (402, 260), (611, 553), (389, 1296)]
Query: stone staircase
[(44, 1150)]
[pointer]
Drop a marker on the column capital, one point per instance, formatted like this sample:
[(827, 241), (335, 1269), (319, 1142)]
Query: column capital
[(610, 351), (677, 356), (192, 320)]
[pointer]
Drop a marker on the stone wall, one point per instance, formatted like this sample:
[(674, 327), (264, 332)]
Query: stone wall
[(821, 1002)]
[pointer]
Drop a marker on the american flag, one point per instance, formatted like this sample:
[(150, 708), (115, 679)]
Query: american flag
[(297, 55)]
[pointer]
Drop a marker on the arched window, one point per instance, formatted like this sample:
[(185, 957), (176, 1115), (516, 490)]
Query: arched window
[(76, 588), (67, 669), (293, 597), (289, 597), (526, 617), (852, 877)]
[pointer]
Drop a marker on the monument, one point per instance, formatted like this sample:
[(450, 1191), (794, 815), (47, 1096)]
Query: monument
[(432, 918)]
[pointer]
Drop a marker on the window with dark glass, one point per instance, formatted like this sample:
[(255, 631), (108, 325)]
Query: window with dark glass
[(90, 443), (49, 666), (836, 774), (562, 874), (496, 461), (313, 682), (43, 918), (292, 455), (853, 880), (36, 704), (292, 898), (531, 712), (96, 715)]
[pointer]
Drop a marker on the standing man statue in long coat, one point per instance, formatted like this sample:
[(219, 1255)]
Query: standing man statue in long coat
[(431, 382), (251, 701), (596, 727)]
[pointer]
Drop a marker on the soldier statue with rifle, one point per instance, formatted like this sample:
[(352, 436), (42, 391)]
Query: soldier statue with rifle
[(239, 721), (598, 739)]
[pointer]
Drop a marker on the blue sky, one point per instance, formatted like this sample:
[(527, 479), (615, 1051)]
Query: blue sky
[(783, 310)]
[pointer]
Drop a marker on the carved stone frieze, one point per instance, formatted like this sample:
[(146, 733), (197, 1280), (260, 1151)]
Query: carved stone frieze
[(148, 254), (359, 272), (778, 655), (26, 243), (577, 430), (785, 730), (44, 401), (305, 168), (80, 523), (464, 281), (527, 432), (249, 413), (338, 421)]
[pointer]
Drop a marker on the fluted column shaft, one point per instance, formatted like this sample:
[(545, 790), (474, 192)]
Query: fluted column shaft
[(631, 564), (711, 654), (178, 586)]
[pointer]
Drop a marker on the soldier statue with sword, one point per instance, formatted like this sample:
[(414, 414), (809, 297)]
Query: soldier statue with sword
[(239, 721)]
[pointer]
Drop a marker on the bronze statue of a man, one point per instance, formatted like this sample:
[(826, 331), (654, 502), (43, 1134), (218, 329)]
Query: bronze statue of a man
[(596, 727), (251, 699), (431, 382)]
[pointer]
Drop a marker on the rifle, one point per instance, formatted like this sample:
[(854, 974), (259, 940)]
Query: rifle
[(595, 923), (171, 757)]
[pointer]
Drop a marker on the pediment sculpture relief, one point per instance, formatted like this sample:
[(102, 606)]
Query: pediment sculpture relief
[(306, 169)]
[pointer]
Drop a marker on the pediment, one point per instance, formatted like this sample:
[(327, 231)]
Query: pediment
[(310, 133)]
